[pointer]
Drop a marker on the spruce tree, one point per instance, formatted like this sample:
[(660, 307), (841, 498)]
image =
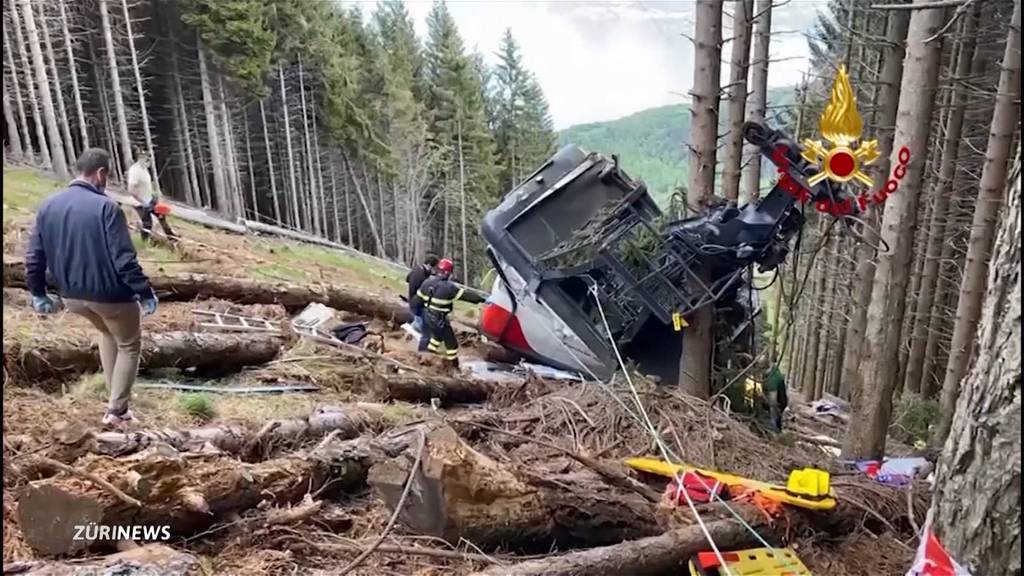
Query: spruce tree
[(522, 125), (238, 34), (466, 173)]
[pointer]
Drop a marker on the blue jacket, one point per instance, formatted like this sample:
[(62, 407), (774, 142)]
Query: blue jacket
[(81, 238)]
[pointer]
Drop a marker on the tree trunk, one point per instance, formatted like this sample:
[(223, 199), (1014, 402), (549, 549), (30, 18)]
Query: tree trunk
[(141, 89), (872, 407), (342, 422), (270, 166), (758, 95), (186, 133), (652, 556), (220, 192), (291, 152), (33, 100), (73, 68), (698, 339), (108, 121), (462, 203), (808, 377), (230, 156), (461, 494), (348, 203), (22, 125), (993, 177), (148, 559), (924, 297), (12, 128), (946, 292), (448, 391), (315, 211), (917, 269), (62, 113), (206, 352), (186, 495), (250, 169), (57, 158), (887, 99), (378, 177), (115, 85), (976, 509), (742, 18), (825, 328), (178, 156), (366, 210), (319, 170), (704, 110), (185, 287)]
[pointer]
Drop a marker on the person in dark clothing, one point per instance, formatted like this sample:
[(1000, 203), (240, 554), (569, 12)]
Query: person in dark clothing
[(416, 277), (774, 389), (438, 295), (81, 239)]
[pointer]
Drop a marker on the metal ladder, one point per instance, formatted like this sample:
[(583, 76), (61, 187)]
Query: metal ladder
[(225, 322)]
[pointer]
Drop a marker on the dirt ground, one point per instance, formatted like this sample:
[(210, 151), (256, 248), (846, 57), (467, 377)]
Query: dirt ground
[(524, 424)]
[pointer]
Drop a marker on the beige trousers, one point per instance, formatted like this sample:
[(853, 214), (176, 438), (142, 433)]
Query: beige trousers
[(120, 327)]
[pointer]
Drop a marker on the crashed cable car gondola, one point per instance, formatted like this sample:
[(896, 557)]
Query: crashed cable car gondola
[(584, 258)]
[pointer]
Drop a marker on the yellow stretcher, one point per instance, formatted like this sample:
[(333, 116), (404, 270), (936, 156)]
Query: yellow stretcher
[(753, 562), (806, 488)]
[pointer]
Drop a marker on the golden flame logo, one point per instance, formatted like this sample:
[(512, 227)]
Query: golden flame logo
[(841, 125)]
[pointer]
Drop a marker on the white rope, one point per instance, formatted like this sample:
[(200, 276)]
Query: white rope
[(606, 386), (657, 437), (667, 455)]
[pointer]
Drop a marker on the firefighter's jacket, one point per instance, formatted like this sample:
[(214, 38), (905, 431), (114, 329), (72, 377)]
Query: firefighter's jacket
[(439, 294)]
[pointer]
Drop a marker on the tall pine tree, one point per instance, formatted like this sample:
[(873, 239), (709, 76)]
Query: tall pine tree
[(466, 174), (522, 125)]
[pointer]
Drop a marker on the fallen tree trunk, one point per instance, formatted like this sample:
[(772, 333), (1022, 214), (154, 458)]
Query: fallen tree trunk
[(208, 353), (70, 442), (141, 561), (182, 287), (657, 555), (458, 493), (183, 494)]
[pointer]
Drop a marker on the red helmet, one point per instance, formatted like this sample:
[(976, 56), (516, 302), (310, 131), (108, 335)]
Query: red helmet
[(445, 266)]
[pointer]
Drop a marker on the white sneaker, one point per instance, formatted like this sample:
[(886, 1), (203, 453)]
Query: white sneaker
[(111, 419)]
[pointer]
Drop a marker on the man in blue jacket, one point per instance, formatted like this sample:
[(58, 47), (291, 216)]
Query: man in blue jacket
[(81, 241)]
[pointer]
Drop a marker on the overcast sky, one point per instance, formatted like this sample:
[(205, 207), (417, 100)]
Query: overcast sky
[(601, 60)]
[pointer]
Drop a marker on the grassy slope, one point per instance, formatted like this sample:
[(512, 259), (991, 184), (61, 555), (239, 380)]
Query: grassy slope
[(651, 143), (206, 250)]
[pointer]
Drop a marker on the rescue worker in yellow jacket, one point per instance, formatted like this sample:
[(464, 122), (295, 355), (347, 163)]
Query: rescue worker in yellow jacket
[(437, 296)]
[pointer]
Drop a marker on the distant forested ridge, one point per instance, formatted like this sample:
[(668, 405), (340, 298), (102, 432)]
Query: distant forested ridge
[(651, 144)]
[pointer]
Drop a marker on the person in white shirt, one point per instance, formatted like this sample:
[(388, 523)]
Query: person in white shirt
[(140, 187)]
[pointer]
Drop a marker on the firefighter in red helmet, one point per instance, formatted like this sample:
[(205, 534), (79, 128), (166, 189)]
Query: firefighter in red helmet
[(437, 296)]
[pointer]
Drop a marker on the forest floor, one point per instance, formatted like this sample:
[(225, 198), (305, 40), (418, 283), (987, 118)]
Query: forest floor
[(534, 467)]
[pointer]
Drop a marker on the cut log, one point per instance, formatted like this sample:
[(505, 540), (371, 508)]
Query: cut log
[(141, 561), (183, 287), (208, 353), (664, 554), (423, 388), (459, 493), (184, 494)]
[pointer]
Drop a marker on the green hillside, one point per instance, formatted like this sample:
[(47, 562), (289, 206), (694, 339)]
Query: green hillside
[(651, 144)]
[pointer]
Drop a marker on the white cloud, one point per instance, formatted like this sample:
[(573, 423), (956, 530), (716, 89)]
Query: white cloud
[(607, 59)]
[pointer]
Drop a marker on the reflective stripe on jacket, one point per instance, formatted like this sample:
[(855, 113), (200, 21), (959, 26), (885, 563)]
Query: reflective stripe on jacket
[(439, 294)]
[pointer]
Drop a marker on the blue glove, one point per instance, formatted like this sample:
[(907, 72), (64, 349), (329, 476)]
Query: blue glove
[(148, 305), (43, 305)]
